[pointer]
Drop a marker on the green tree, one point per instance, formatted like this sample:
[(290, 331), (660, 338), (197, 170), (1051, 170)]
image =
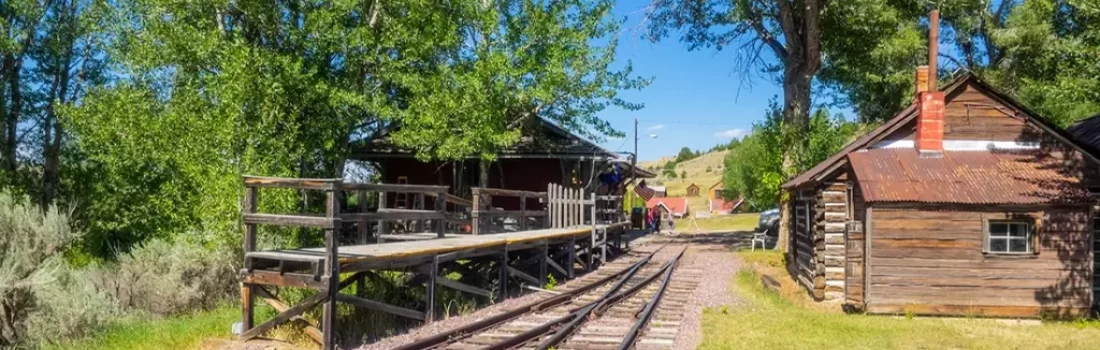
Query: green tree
[(1048, 51), (669, 170), (789, 31), (755, 168), (685, 155), (208, 90)]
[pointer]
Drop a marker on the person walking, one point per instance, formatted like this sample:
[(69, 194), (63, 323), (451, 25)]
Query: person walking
[(656, 221), (649, 220)]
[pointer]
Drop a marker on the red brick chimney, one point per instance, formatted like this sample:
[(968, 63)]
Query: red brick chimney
[(930, 122)]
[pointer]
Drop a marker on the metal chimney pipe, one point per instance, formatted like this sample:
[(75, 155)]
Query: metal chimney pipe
[(933, 48)]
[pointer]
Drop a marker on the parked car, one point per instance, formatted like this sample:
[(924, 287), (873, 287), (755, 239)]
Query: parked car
[(769, 222)]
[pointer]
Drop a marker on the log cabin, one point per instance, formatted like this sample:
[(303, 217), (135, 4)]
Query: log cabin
[(966, 203), (545, 154)]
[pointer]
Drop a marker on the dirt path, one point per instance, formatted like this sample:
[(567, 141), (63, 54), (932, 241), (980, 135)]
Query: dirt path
[(713, 254)]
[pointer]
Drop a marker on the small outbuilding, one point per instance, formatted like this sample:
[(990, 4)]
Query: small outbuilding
[(966, 203), (693, 190), (669, 207)]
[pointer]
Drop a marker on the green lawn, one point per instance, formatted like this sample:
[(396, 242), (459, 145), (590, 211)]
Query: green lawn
[(735, 222), (772, 322), (182, 332)]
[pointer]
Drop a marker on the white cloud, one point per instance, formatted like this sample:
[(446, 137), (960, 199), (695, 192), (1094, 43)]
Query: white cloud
[(731, 133), (657, 127)]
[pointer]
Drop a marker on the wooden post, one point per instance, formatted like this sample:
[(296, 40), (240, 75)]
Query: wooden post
[(475, 212), (503, 282), (441, 208), (572, 247), (419, 204), (551, 211), (247, 299), (429, 312), (542, 264), (603, 246), (523, 208), (383, 225), (364, 231), (332, 267), (570, 196), (364, 237)]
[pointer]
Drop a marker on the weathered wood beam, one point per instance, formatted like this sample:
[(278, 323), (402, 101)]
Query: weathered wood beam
[(555, 265), (272, 278), (424, 189), (279, 306), (284, 316), (523, 275), (380, 306), (291, 220), (282, 182), (459, 286), (396, 214)]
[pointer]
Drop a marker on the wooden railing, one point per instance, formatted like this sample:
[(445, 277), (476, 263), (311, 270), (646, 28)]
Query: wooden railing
[(428, 220), (486, 219)]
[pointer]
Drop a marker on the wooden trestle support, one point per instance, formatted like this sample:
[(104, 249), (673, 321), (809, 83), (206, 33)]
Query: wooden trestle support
[(527, 256)]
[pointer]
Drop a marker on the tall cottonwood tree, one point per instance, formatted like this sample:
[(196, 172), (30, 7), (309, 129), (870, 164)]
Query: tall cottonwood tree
[(208, 90), (50, 52), (790, 30)]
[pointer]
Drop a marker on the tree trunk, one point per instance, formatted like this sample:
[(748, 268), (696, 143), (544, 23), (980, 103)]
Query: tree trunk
[(7, 150), (483, 180), (59, 93)]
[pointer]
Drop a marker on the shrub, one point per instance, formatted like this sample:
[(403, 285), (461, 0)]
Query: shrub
[(71, 308), (166, 278), (31, 244)]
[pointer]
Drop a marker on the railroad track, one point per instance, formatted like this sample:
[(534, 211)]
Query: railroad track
[(624, 305)]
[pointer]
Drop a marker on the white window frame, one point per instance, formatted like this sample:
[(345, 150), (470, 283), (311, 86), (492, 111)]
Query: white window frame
[(1008, 238)]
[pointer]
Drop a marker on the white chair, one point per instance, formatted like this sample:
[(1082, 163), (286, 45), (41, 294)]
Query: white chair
[(761, 237)]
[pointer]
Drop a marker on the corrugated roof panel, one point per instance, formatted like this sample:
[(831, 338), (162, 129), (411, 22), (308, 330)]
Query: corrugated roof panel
[(979, 177)]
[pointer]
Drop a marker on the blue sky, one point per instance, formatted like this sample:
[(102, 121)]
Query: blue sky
[(697, 99)]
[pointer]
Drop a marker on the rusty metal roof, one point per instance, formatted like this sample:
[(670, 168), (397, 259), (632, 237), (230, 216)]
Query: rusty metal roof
[(910, 113), (971, 177), (906, 115)]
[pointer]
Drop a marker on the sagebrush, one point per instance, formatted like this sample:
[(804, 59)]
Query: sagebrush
[(31, 244)]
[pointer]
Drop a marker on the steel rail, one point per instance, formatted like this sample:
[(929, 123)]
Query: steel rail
[(575, 318), (571, 318), (647, 314), (462, 332)]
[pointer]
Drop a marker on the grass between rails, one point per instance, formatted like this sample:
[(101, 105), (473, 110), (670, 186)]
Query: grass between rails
[(181, 332), (770, 321)]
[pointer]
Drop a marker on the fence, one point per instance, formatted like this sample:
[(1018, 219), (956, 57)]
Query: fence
[(486, 219)]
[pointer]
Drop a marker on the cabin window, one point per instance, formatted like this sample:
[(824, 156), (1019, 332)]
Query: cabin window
[(1008, 237)]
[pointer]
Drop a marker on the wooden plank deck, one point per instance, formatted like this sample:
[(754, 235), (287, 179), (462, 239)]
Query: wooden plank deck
[(415, 248)]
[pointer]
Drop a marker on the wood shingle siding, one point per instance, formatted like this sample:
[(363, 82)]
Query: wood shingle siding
[(940, 268)]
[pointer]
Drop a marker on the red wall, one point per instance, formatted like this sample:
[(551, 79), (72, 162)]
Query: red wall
[(519, 174)]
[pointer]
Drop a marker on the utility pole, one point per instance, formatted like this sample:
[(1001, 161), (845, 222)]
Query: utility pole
[(634, 163)]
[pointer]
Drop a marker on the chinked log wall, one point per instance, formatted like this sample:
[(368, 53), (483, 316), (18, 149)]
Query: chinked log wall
[(832, 214), (802, 252)]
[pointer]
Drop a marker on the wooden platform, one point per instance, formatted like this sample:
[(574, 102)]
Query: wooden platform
[(419, 247)]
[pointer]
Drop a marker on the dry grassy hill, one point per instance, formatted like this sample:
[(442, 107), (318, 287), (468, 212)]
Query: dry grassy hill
[(696, 173)]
